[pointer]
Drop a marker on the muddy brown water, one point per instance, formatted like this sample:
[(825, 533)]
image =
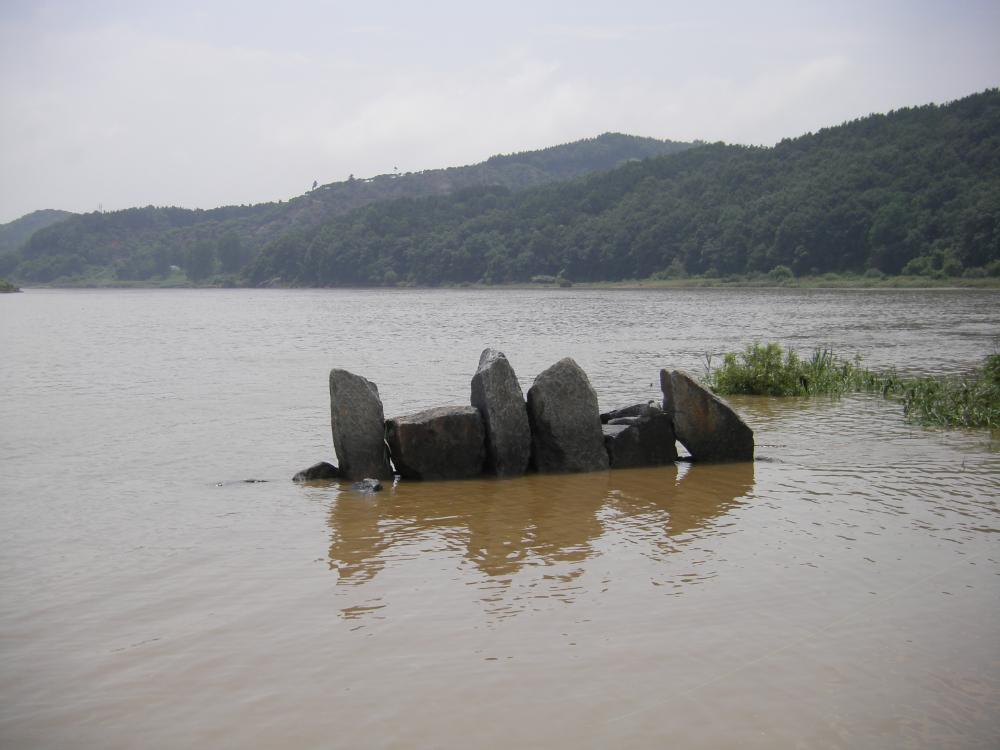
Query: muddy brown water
[(841, 591)]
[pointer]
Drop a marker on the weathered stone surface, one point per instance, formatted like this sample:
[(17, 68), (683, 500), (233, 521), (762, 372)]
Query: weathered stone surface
[(628, 412), (641, 441), (358, 425), (447, 442), (321, 470), (367, 486), (498, 397), (565, 421), (705, 424)]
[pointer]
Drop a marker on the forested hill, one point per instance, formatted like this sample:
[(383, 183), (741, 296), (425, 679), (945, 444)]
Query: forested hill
[(15, 233), (143, 243), (916, 190)]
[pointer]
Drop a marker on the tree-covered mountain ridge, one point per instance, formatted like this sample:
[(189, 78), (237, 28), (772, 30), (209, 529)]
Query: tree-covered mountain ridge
[(15, 233), (914, 191), (143, 243)]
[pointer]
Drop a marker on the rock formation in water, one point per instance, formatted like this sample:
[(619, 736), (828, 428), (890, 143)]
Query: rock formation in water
[(559, 429), (565, 421), (705, 424), (498, 397), (643, 438), (447, 442), (358, 425)]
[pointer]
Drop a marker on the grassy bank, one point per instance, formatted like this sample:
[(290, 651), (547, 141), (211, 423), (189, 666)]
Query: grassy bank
[(6, 286), (971, 400)]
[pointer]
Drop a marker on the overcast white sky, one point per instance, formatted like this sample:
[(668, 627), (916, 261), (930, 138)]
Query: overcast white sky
[(200, 103)]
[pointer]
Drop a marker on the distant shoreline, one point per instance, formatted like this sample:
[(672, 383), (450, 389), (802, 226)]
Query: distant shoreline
[(847, 282)]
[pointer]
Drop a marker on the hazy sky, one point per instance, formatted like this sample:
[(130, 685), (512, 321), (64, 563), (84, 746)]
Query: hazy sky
[(201, 104)]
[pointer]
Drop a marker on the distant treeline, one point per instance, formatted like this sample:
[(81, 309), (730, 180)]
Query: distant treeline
[(144, 243), (915, 191)]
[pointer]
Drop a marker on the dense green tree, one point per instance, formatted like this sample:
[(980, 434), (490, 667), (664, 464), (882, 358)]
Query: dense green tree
[(230, 252), (200, 260)]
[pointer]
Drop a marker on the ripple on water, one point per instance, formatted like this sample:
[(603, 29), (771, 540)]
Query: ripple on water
[(841, 591)]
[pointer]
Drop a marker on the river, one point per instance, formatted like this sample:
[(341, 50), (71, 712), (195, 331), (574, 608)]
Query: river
[(841, 591)]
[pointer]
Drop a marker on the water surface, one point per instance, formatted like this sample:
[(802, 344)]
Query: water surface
[(841, 591)]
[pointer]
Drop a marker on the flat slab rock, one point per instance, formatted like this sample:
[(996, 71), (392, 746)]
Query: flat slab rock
[(645, 438), (705, 424), (358, 426), (498, 397), (628, 412), (565, 421), (447, 442)]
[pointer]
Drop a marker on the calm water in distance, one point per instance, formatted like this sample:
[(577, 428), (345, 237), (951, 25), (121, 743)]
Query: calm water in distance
[(842, 591)]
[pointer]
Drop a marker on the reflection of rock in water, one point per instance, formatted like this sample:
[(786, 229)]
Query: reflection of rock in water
[(689, 502), (529, 538), (500, 524), (356, 539), (536, 520)]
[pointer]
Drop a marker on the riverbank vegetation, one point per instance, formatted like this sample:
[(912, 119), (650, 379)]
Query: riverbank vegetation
[(970, 400), (6, 286)]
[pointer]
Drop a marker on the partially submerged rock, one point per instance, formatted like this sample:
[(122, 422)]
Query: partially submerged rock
[(447, 442), (644, 440), (367, 486), (318, 471), (498, 397), (705, 424), (559, 429), (565, 421), (358, 425)]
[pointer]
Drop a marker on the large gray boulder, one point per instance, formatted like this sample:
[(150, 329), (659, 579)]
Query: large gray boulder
[(447, 442), (358, 425), (565, 421), (705, 424), (498, 397), (646, 439)]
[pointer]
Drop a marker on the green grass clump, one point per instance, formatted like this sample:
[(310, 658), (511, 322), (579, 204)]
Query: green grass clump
[(767, 370), (6, 286), (969, 401)]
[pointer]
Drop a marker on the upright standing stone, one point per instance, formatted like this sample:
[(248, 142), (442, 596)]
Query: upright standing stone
[(441, 443), (705, 424), (565, 421), (358, 425), (498, 397)]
